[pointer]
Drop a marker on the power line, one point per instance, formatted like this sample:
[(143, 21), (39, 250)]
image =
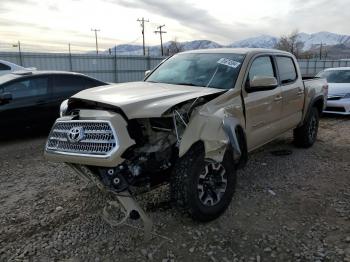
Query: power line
[(142, 23), (96, 30), (161, 37)]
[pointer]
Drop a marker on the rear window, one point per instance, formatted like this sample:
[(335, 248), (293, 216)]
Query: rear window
[(286, 69)]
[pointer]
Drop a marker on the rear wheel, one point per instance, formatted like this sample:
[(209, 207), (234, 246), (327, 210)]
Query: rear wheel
[(203, 188), (305, 135)]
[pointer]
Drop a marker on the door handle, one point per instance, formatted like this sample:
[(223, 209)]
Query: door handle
[(278, 98)]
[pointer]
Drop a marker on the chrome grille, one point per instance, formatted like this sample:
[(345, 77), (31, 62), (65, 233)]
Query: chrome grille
[(97, 138)]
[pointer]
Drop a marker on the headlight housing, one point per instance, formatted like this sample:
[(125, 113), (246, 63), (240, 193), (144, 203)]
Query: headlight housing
[(63, 107)]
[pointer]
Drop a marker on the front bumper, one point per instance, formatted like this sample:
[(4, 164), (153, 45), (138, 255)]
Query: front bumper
[(341, 106), (91, 148)]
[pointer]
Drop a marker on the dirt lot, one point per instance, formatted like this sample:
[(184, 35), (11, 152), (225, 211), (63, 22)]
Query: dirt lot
[(287, 208)]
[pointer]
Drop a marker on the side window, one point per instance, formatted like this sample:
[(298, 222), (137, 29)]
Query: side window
[(28, 87), (4, 67), (286, 69), (261, 66), (69, 84), (93, 83)]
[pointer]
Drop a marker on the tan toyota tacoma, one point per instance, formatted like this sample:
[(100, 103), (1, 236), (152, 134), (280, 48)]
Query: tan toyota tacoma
[(191, 123)]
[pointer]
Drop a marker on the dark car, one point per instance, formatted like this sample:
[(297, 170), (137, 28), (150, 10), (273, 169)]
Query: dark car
[(33, 98)]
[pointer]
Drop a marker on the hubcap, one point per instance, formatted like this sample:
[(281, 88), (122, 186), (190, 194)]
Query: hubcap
[(212, 184)]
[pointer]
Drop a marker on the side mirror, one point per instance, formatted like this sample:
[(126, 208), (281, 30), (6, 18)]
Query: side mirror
[(5, 98), (147, 72), (261, 83)]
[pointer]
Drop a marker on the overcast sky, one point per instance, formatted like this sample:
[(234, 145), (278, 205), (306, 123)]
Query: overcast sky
[(55, 23)]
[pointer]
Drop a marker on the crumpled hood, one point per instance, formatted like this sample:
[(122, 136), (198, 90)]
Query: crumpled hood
[(144, 99), (338, 88)]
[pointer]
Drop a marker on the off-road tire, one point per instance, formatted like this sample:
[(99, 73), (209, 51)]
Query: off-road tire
[(184, 184), (305, 135)]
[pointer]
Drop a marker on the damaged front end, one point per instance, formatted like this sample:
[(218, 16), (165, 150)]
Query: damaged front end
[(126, 157)]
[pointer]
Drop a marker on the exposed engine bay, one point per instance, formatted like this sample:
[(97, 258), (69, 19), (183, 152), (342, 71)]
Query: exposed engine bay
[(148, 162)]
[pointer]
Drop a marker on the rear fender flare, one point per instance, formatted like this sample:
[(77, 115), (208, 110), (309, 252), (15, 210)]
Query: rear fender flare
[(313, 102)]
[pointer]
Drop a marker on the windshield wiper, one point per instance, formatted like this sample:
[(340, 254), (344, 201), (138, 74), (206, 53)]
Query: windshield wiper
[(185, 84)]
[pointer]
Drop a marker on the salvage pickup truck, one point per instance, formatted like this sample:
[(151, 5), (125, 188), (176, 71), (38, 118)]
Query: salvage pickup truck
[(191, 123)]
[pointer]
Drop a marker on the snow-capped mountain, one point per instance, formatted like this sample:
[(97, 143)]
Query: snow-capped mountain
[(310, 41), (263, 41), (326, 38), (200, 44), (155, 50)]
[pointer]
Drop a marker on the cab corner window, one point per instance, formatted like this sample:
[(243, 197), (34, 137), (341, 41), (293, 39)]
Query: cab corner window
[(28, 87), (286, 69)]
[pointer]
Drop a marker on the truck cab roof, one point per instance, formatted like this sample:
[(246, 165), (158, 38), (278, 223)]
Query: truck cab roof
[(243, 51)]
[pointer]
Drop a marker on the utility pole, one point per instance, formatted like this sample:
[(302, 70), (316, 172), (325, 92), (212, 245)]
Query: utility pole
[(161, 37), (96, 30), (142, 23), (19, 52), (70, 58), (321, 51)]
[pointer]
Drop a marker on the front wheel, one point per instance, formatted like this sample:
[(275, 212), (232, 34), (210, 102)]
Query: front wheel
[(203, 188), (305, 135)]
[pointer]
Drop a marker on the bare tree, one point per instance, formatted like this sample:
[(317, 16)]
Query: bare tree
[(291, 44), (173, 48)]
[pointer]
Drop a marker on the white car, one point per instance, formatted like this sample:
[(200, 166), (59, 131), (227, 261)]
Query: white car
[(338, 101), (8, 67)]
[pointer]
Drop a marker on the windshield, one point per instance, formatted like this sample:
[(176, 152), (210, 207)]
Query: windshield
[(336, 76), (196, 69)]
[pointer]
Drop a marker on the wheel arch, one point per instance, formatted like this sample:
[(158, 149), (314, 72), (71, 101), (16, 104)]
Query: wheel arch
[(216, 135), (317, 102), (238, 140)]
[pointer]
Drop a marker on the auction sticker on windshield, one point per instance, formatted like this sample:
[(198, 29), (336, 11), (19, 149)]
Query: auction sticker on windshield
[(228, 62)]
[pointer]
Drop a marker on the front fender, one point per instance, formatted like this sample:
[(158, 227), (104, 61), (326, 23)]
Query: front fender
[(215, 131)]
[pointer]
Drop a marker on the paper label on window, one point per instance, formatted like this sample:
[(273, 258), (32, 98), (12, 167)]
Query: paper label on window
[(228, 62)]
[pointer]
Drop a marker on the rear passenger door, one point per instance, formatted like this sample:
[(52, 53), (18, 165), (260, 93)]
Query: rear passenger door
[(263, 108), (64, 86), (292, 91)]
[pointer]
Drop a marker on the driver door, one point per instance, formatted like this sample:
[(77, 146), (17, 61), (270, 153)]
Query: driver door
[(263, 107)]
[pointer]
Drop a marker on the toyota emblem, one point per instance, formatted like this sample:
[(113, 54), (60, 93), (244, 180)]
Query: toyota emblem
[(75, 134)]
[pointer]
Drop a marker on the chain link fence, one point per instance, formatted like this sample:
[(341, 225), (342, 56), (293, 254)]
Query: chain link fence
[(120, 68), (109, 68)]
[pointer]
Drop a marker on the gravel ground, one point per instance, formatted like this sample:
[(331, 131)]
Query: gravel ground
[(287, 208)]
